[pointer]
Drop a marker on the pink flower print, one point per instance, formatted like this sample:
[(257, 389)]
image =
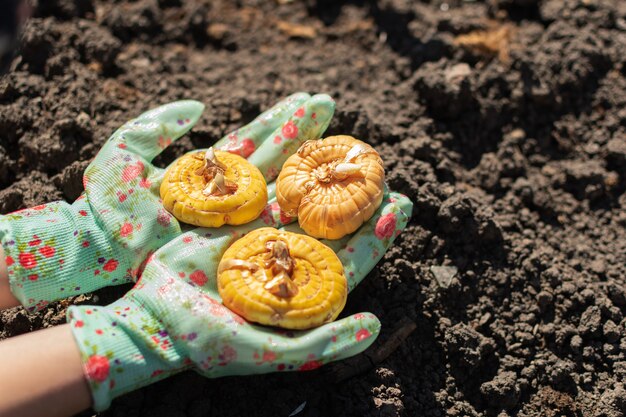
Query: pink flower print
[(228, 355), (122, 198), (284, 218), (299, 112), (362, 335), (9, 261), (27, 260), (198, 277), (33, 277), (126, 229), (359, 316), (187, 239), (385, 226), (145, 183), (216, 309), (164, 218), (132, 171), (164, 142), (310, 365), (97, 368), (277, 139), (82, 213), (290, 130), (266, 216), (272, 172), (111, 265), (269, 356), (35, 242), (246, 148), (232, 141), (47, 251)]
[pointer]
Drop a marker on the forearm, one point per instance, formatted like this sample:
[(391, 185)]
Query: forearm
[(7, 300), (41, 374)]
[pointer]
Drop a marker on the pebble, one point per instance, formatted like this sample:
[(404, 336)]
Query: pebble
[(443, 274)]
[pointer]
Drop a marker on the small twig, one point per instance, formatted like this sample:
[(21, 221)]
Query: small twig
[(404, 329)]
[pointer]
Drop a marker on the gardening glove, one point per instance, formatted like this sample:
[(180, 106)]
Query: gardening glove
[(173, 319), (57, 250)]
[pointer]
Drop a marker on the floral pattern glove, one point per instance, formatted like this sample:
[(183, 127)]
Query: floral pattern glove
[(173, 319), (57, 250)]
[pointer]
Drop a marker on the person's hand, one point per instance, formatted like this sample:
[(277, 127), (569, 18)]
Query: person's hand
[(173, 319), (58, 250)]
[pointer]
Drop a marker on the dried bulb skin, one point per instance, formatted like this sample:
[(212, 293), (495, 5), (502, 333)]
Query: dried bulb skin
[(282, 279), (332, 185), (211, 189)]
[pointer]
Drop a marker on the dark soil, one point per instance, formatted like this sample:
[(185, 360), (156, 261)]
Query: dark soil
[(515, 157)]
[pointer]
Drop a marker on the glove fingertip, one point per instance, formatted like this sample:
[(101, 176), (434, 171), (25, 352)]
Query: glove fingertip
[(192, 108), (147, 135), (300, 96), (403, 202), (186, 109), (323, 107), (353, 335)]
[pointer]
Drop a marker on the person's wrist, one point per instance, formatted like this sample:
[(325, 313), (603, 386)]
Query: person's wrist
[(123, 348), (7, 299), (57, 251)]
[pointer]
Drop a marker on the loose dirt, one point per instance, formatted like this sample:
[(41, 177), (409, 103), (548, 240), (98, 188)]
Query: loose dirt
[(504, 121)]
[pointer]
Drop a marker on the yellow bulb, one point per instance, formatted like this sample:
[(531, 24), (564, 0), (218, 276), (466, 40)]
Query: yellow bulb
[(213, 188), (332, 185), (282, 279)]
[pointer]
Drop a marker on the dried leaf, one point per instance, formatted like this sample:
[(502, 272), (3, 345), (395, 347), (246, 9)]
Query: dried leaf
[(217, 31), (294, 30), (494, 41)]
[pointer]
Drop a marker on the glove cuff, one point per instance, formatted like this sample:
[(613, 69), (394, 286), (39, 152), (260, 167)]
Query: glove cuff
[(57, 250), (117, 356)]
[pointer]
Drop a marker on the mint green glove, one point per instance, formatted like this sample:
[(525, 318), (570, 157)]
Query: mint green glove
[(58, 250), (173, 319)]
